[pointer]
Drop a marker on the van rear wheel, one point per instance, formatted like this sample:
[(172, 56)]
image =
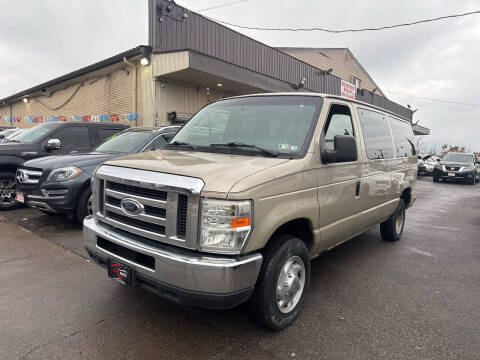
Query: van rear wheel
[(282, 284), (392, 229)]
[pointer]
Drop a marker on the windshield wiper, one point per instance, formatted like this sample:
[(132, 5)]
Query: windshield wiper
[(239, 144), (182, 143)]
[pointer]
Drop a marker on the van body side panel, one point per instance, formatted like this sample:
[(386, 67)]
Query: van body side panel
[(281, 193), (339, 205), (337, 185)]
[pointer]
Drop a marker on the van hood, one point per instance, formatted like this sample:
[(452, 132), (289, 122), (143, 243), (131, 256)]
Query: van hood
[(220, 172), (80, 160)]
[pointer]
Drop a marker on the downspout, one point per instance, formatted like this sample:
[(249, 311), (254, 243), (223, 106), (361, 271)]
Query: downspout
[(125, 60)]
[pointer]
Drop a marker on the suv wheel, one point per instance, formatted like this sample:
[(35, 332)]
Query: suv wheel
[(392, 229), (283, 283), (8, 195), (435, 178), (84, 205)]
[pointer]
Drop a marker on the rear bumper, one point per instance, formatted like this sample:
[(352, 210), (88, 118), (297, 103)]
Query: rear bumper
[(183, 276)]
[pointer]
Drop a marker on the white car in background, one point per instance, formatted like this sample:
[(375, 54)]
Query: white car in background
[(426, 164)]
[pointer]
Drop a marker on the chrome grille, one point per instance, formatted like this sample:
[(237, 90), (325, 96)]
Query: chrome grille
[(28, 176), (169, 204)]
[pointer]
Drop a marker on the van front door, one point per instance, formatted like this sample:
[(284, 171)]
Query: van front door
[(339, 183)]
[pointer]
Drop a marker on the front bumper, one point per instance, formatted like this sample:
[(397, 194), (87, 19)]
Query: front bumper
[(457, 175), (184, 276), (58, 197), (423, 170)]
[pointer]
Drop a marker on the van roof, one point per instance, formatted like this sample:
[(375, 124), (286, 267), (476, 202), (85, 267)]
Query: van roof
[(327, 96)]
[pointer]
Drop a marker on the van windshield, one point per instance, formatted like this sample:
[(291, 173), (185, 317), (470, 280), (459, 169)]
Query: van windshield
[(264, 125), (35, 133)]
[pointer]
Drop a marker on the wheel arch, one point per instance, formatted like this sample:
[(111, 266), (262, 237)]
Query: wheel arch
[(301, 228)]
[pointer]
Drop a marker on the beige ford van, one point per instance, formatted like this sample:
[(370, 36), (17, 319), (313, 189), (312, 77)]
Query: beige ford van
[(246, 194)]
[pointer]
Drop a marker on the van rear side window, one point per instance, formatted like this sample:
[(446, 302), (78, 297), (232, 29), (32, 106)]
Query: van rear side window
[(402, 137), (376, 134)]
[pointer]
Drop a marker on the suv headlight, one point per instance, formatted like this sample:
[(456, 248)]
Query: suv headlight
[(225, 225), (468, 167), (63, 174), (438, 166)]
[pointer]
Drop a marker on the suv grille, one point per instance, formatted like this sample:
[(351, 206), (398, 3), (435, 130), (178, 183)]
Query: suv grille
[(28, 176), (452, 168), (163, 210)]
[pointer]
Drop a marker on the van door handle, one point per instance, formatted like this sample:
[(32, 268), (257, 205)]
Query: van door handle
[(357, 189)]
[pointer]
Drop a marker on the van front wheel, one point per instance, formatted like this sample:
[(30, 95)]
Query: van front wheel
[(283, 282), (392, 229)]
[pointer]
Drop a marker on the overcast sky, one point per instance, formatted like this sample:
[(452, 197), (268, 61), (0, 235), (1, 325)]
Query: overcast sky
[(43, 39)]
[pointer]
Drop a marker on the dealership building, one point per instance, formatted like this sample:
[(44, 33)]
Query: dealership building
[(190, 61)]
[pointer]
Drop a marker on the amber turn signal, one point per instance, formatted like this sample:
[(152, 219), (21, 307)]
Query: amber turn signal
[(240, 222)]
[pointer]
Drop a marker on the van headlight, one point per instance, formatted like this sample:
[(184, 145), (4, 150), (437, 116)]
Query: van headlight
[(63, 174), (225, 225)]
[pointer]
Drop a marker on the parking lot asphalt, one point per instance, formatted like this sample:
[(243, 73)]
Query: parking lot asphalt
[(415, 299)]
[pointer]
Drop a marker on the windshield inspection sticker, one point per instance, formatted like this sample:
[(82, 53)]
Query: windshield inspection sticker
[(287, 147)]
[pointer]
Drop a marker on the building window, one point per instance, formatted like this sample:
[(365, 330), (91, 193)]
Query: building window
[(356, 81)]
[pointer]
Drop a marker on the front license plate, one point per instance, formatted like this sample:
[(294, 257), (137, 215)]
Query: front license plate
[(451, 174), (120, 272), (20, 197)]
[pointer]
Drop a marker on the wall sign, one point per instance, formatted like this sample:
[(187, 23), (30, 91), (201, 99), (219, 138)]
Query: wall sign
[(348, 90)]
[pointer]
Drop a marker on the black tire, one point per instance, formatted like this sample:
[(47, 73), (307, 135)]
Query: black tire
[(390, 229), (8, 197), (473, 181), (435, 178), (263, 304), (82, 209)]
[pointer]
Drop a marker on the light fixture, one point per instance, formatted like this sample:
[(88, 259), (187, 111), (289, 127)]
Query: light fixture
[(219, 84), (301, 84), (146, 53), (25, 100)]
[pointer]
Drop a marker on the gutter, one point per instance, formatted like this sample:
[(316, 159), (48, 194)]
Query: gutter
[(139, 50)]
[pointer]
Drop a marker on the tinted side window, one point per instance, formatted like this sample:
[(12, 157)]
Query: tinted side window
[(403, 138), (376, 134), (159, 142), (339, 122), (168, 136), (73, 138), (105, 134)]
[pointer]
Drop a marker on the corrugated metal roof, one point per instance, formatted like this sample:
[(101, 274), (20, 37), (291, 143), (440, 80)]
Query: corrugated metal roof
[(74, 74), (175, 28), (341, 60)]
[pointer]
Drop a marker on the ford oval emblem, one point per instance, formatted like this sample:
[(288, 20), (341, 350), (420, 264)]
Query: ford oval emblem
[(131, 206)]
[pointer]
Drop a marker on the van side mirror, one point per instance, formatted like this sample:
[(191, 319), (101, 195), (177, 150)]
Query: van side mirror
[(54, 144), (438, 160), (419, 157), (344, 150)]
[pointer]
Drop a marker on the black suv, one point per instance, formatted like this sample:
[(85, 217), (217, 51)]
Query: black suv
[(61, 184), (47, 139), (457, 166)]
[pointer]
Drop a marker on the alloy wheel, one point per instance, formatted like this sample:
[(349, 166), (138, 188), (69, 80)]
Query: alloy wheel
[(8, 194)]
